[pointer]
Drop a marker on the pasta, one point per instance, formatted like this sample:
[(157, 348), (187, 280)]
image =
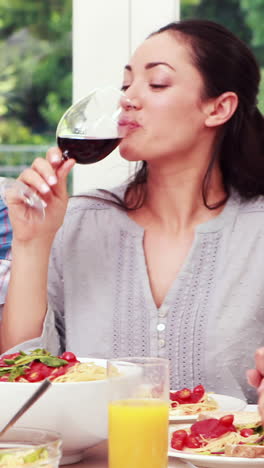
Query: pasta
[(83, 372), (207, 403)]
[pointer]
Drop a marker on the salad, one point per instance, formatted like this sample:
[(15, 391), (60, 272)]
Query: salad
[(31, 457), (40, 364)]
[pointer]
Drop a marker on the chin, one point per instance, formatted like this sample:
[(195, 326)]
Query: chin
[(129, 152)]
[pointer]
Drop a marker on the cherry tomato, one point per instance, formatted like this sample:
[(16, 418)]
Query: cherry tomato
[(7, 356), (174, 404), (4, 378), (246, 432), (177, 443), (194, 398), (227, 420), (37, 372), (177, 397), (179, 434), (184, 394), (173, 396), (193, 441), (10, 356), (34, 376), (58, 371), (199, 390), (68, 356)]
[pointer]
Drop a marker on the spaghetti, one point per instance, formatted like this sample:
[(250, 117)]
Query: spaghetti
[(207, 403), (83, 372)]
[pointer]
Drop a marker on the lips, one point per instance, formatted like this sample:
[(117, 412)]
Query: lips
[(128, 123)]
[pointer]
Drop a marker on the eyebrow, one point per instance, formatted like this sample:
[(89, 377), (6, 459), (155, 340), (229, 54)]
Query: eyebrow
[(150, 65)]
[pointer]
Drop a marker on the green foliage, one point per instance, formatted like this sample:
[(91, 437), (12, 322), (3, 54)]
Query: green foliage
[(36, 68), (261, 93), (226, 12), (243, 17), (254, 13)]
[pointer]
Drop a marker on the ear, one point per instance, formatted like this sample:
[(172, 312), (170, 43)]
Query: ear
[(221, 109)]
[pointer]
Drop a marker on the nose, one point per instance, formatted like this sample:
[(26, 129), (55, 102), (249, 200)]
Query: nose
[(126, 103)]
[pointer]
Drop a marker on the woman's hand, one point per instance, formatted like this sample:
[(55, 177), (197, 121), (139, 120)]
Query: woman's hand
[(256, 379), (48, 178)]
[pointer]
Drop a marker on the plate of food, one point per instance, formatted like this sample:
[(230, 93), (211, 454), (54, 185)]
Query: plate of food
[(229, 441), (187, 404)]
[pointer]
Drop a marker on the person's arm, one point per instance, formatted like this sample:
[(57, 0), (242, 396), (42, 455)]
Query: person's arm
[(5, 251), (26, 304)]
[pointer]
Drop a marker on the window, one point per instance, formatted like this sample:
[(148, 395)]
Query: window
[(243, 17), (35, 77)]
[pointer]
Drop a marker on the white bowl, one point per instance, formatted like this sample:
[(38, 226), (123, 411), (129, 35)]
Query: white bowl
[(76, 410)]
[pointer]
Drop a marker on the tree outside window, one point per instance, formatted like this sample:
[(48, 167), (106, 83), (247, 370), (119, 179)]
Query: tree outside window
[(35, 76), (243, 17)]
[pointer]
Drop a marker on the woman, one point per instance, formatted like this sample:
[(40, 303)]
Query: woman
[(174, 268)]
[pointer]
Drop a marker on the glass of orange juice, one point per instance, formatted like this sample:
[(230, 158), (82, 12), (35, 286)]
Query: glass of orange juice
[(138, 412)]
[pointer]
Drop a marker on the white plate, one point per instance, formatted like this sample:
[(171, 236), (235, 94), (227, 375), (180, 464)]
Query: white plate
[(214, 461), (225, 403)]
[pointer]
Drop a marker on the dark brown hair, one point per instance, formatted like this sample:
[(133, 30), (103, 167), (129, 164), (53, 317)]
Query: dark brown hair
[(226, 64)]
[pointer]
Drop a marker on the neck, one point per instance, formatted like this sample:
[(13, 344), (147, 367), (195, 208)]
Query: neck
[(174, 197)]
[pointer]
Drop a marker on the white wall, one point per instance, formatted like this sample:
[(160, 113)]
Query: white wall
[(105, 33)]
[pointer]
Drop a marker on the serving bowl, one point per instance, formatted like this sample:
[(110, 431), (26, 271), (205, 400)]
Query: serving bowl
[(30, 448), (76, 410)]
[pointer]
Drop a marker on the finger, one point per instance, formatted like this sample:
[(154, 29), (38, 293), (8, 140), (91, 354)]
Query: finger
[(54, 156), (261, 386), (261, 406), (60, 189), (259, 360), (35, 180), (44, 169), (254, 378)]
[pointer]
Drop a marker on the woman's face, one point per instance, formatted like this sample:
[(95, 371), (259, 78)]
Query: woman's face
[(167, 117)]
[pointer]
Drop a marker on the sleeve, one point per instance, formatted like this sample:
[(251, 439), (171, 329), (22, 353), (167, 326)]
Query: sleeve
[(5, 251)]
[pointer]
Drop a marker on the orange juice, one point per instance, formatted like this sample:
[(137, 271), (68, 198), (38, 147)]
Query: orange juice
[(138, 433)]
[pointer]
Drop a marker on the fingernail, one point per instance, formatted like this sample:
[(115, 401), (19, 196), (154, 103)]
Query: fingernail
[(55, 158), (44, 188), (52, 180), (44, 204)]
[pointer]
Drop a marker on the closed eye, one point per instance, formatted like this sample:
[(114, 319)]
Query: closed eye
[(158, 86)]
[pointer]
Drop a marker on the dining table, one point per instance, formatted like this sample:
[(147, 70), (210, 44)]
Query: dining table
[(96, 457)]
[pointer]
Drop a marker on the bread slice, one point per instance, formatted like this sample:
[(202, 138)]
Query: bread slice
[(243, 450)]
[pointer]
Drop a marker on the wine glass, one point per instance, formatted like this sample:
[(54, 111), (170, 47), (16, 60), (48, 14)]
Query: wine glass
[(89, 131), (12, 190)]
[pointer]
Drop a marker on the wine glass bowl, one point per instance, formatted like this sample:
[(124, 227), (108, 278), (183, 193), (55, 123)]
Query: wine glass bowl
[(89, 131)]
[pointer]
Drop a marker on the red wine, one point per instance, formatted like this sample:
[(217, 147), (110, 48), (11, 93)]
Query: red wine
[(86, 150)]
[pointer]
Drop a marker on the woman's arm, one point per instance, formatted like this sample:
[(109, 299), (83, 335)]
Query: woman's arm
[(26, 304)]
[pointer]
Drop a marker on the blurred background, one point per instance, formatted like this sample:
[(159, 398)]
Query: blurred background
[(48, 60)]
